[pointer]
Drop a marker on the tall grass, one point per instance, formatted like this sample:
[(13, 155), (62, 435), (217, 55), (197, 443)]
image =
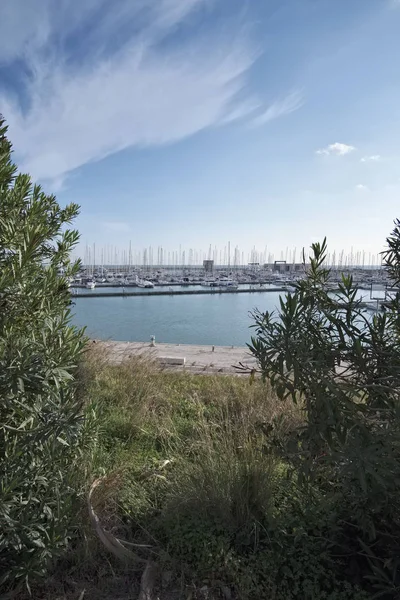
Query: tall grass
[(191, 481), (188, 471)]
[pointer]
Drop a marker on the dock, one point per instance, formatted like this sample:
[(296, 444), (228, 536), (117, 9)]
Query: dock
[(97, 294)]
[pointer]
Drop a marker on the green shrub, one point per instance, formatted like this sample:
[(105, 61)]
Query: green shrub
[(42, 426), (325, 351)]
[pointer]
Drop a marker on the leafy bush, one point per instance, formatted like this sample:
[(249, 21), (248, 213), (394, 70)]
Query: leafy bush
[(325, 351), (41, 415)]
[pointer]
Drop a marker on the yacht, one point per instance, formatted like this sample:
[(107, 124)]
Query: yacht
[(229, 283), (145, 284), (90, 285), (210, 283)]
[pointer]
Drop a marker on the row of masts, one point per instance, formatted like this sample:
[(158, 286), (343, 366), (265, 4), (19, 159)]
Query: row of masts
[(149, 256)]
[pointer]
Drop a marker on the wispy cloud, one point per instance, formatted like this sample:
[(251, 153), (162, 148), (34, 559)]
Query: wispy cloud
[(372, 158), (361, 187), (82, 108), (281, 107), (336, 148)]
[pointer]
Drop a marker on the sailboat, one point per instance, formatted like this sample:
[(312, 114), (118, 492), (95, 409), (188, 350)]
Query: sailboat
[(142, 283)]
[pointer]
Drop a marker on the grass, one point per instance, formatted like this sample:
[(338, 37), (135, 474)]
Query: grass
[(187, 471)]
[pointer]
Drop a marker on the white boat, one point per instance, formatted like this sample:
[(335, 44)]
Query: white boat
[(229, 283), (210, 284), (90, 285), (145, 284)]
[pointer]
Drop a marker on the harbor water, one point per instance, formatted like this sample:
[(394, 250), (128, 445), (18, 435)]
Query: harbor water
[(215, 319)]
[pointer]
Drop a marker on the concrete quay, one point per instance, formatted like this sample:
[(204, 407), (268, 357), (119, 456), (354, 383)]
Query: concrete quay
[(213, 290), (182, 357)]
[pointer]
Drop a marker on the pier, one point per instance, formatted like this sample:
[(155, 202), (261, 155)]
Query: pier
[(374, 305), (211, 290)]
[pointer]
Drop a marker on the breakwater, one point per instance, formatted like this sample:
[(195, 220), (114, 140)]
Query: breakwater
[(214, 291)]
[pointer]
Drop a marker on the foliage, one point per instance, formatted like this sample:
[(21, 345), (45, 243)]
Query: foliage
[(325, 351), (188, 471), (41, 415), (197, 471)]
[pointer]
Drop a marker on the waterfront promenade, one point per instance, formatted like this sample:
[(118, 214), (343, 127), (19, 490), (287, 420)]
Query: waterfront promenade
[(183, 357)]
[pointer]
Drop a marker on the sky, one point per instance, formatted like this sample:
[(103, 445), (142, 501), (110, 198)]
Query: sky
[(263, 123)]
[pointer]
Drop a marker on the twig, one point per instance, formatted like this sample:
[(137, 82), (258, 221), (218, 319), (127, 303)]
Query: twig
[(112, 543)]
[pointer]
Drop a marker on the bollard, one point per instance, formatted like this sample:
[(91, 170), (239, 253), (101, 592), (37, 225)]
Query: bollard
[(152, 340)]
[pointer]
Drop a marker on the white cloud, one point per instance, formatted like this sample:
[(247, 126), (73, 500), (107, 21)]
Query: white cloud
[(25, 27), (336, 148), (285, 106), (361, 187), (373, 158), (135, 101), (142, 93)]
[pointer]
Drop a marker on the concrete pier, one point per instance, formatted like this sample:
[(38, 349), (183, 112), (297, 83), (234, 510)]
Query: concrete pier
[(97, 294)]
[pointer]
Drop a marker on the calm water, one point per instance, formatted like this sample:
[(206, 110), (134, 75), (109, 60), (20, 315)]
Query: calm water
[(217, 319), (222, 320)]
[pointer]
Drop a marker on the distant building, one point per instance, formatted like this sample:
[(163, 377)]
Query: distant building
[(208, 266), (298, 267), (281, 266)]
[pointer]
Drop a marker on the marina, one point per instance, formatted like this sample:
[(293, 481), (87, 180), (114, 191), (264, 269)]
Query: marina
[(216, 318), (208, 305)]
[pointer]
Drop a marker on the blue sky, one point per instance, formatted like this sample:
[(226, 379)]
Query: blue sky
[(196, 122)]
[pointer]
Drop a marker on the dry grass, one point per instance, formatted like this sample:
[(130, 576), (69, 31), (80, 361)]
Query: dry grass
[(191, 485), (182, 459), (177, 448)]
